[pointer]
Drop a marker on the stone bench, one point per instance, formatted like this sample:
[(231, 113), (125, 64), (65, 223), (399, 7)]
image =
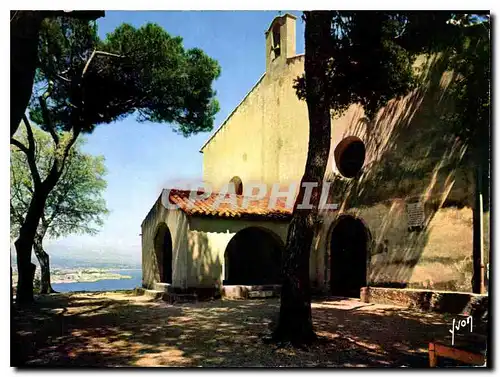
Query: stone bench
[(428, 300)]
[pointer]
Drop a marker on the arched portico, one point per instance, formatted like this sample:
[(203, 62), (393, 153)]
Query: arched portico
[(253, 257)]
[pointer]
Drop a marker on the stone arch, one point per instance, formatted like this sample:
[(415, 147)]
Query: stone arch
[(350, 156), (253, 257), (163, 252), (349, 254), (238, 185)]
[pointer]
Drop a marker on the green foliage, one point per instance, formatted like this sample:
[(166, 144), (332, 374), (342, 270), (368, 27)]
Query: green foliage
[(142, 71), (364, 48), (471, 61), (75, 205), (367, 65), (426, 32), (173, 85), (371, 54), (470, 122)]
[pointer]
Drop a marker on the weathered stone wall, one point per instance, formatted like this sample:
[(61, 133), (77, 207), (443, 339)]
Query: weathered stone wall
[(438, 257), (418, 158), (466, 304)]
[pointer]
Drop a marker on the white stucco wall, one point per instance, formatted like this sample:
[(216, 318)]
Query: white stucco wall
[(177, 223), (208, 239)]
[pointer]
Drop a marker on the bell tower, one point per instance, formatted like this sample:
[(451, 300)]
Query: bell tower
[(280, 40)]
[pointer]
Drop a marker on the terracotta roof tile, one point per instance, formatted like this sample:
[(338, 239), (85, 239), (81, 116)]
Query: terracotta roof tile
[(205, 207)]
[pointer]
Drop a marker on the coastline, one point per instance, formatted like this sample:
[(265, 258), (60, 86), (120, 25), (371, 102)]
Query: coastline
[(88, 276), (91, 280), (123, 281), (85, 275)]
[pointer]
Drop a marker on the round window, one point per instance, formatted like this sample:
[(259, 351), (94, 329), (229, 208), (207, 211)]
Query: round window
[(350, 156)]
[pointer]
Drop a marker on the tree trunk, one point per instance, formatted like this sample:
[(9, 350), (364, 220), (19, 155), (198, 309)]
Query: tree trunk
[(11, 286), (295, 320), (44, 260), (478, 234), (27, 232), (24, 245), (481, 147), (481, 156), (24, 33)]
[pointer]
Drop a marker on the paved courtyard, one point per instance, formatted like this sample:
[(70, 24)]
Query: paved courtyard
[(121, 329)]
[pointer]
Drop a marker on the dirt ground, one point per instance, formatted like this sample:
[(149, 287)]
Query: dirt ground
[(121, 329)]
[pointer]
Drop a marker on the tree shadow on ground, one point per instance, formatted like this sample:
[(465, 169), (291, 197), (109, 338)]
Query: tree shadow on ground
[(380, 335), (126, 330)]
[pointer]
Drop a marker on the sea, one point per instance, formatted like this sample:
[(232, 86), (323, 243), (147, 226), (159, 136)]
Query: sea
[(104, 285)]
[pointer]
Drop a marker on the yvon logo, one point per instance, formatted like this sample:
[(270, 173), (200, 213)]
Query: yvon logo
[(459, 325)]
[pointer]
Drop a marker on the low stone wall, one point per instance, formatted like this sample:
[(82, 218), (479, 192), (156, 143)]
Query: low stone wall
[(201, 294), (426, 300), (250, 291)]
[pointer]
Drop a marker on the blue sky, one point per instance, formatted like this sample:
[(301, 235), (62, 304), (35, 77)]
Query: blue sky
[(143, 158)]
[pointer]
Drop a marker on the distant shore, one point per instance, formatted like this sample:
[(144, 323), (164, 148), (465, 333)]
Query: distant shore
[(82, 274), (87, 277)]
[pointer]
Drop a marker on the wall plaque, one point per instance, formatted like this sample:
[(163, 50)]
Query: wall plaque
[(416, 215)]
